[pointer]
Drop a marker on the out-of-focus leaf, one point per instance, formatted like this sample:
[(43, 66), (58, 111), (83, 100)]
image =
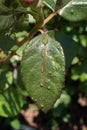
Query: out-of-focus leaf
[(43, 67), (15, 124), (10, 102), (83, 77), (2, 1), (61, 104), (75, 60), (10, 17), (6, 18), (6, 80), (7, 43), (80, 72), (67, 118), (83, 40), (61, 100)]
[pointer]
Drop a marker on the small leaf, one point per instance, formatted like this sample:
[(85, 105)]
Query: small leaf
[(76, 10), (43, 67)]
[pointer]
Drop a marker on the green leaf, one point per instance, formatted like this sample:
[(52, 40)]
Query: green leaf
[(5, 22), (61, 3), (43, 68), (10, 102), (55, 4), (20, 84), (62, 100), (6, 18), (61, 104), (2, 1), (50, 3), (15, 124), (83, 77), (6, 79), (76, 10), (7, 43), (80, 72)]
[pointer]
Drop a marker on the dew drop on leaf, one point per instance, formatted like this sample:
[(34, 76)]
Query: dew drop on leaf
[(49, 88), (72, 11), (42, 105)]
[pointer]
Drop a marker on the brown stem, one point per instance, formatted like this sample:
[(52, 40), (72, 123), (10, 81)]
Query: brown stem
[(43, 67), (49, 17), (7, 58), (30, 35)]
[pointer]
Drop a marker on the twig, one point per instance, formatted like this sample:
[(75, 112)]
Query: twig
[(7, 58), (53, 14), (30, 35), (50, 17)]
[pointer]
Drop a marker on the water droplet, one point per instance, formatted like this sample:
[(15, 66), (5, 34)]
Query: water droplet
[(45, 41), (32, 98), (50, 72), (35, 100), (42, 105), (72, 11), (57, 66), (49, 88), (42, 53), (47, 81), (41, 84)]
